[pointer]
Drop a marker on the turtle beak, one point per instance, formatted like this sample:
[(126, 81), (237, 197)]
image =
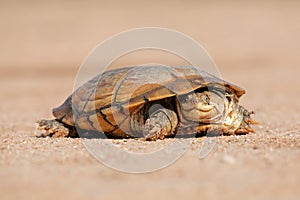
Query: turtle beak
[(204, 108)]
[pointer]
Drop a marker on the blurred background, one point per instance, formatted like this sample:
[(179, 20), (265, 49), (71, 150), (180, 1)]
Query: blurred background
[(43, 34)]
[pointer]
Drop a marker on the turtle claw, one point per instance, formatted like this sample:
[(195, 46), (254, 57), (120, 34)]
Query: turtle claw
[(160, 124), (251, 121), (153, 130)]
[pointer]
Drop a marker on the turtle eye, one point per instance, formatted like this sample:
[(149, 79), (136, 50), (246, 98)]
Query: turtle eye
[(205, 98)]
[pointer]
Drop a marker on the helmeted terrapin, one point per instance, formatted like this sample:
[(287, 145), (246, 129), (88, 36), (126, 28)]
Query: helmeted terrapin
[(151, 102)]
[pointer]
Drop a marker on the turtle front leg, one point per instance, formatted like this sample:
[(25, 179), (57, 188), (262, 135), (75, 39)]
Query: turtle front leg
[(55, 128), (160, 124)]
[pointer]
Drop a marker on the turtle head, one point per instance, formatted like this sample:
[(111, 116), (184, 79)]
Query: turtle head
[(215, 107)]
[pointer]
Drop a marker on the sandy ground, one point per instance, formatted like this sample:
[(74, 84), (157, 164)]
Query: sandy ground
[(254, 45)]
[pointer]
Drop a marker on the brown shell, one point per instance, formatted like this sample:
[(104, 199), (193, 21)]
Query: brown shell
[(104, 102)]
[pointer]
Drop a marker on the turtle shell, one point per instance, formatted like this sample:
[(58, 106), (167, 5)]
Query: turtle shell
[(107, 101)]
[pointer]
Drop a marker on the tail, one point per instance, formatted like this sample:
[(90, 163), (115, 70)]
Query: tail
[(64, 112)]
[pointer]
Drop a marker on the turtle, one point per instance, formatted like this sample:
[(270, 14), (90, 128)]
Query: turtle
[(151, 102)]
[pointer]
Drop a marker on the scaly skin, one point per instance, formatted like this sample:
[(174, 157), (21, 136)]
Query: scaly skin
[(218, 114), (160, 124), (54, 128)]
